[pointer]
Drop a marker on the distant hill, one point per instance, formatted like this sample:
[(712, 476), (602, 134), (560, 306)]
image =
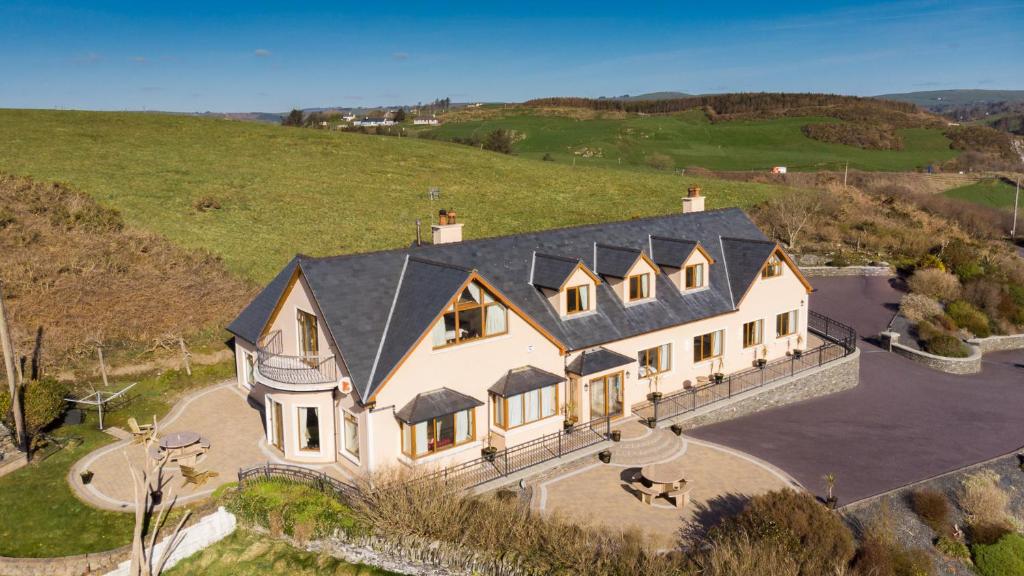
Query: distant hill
[(942, 100), (653, 96), (272, 117)]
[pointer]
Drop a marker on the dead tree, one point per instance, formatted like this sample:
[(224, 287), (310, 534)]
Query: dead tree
[(144, 482), (14, 383)]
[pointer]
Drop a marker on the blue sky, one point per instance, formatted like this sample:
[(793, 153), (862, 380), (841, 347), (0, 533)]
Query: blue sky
[(235, 56)]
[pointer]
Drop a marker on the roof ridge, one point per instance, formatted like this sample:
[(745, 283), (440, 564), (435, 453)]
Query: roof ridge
[(430, 262), (557, 257), (619, 248), (751, 240)]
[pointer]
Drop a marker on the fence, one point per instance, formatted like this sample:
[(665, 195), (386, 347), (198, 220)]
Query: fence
[(312, 478), (840, 341)]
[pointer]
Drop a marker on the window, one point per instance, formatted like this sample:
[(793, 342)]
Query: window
[(309, 343), (753, 333), (695, 276), (773, 268), (439, 433), (785, 324), (309, 429), (275, 422), (639, 286), (606, 396), (577, 299), (707, 346), (476, 314), (526, 407), (351, 433), (654, 360), (250, 365)]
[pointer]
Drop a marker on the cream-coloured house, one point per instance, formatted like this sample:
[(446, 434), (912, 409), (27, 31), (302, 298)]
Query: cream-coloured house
[(424, 356)]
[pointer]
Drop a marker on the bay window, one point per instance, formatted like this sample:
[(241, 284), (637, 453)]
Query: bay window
[(526, 407), (439, 433)]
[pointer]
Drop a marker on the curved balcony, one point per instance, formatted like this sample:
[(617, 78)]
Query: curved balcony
[(297, 371)]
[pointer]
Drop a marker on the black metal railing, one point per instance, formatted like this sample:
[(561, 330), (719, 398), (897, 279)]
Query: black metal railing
[(298, 369), (840, 340), (312, 478), (526, 455)]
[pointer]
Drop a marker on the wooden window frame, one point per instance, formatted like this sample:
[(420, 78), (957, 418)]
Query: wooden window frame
[(697, 348), (636, 280), (772, 268), (433, 422), (298, 429), (501, 404), (483, 306), (307, 322), (790, 326), (760, 333), (686, 276), (646, 354), (603, 380), (344, 435), (575, 290)]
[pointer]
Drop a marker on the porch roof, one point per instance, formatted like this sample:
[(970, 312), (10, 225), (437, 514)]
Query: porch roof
[(597, 360), (429, 405), (524, 379)]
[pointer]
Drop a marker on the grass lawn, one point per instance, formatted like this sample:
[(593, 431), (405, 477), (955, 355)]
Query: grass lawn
[(245, 553), (286, 190), (41, 517), (691, 140), (993, 192)]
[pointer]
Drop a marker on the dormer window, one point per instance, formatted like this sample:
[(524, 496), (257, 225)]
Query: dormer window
[(475, 314), (639, 287), (695, 276), (577, 299), (773, 267)]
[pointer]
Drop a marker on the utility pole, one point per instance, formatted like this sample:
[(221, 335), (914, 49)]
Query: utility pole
[(846, 172), (1016, 199), (13, 382)]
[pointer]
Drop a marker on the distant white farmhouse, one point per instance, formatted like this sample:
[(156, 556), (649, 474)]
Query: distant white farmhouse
[(348, 117), (368, 122), (426, 121), (778, 169)]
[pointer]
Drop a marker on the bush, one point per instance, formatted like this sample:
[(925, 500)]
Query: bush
[(741, 554), (500, 140), (946, 345), (548, 157), (1004, 558), (969, 318), (933, 508), (985, 504), (881, 555), (806, 530), (42, 400), (952, 548), (935, 283), (918, 307), (931, 261), (290, 508)]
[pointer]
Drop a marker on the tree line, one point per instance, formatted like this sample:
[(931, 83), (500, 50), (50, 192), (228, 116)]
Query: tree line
[(719, 104)]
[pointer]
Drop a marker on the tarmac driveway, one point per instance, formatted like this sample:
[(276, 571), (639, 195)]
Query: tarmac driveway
[(903, 423)]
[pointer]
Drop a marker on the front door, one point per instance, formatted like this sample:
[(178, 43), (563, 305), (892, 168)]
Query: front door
[(606, 396)]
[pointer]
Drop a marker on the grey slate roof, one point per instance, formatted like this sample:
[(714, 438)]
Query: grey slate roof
[(524, 379), (427, 405), (551, 271), (356, 293), (249, 324), (614, 260), (597, 360), (671, 251)]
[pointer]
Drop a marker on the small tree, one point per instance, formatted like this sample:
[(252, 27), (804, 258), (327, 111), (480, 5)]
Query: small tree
[(399, 115), (42, 403), (500, 140), (294, 118)]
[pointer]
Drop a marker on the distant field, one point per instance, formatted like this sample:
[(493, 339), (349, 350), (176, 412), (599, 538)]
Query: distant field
[(287, 190), (691, 140), (990, 192)]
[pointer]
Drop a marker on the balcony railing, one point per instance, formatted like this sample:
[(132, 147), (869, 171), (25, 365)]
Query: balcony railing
[(297, 369)]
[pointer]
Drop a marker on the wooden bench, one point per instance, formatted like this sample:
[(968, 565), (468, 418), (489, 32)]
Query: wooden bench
[(679, 497), (646, 495), (193, 476)]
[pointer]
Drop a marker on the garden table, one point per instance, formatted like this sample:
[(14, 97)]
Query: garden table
[(664, 476)]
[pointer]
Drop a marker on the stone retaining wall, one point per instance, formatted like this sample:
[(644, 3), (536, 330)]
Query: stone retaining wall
[(833, 377), (998, 343), (829, 271), (969, 365), (97, 563)]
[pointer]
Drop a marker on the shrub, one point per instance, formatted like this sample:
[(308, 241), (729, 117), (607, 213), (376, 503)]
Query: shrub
[(952, 547), (742, 554), (969, 318), (918, 307), (500, 140), (989, 532), (881, 555), (297, 510), (933, 508), (806, 530), (548, 157), (935, 283), (963, 260), (931, 261), (985, 505), (1004, 558), (42, 401), (946, 345)]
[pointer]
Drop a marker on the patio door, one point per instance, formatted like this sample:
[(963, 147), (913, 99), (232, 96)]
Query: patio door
[(606, 396)]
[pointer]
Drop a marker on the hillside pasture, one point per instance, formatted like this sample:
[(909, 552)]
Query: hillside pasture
[(994, 192), (690, 139), (255, 194)]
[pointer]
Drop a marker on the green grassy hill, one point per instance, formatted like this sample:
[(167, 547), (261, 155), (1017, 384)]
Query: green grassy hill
[(942, 99), (994, 192), (689, 139), (286, 190)]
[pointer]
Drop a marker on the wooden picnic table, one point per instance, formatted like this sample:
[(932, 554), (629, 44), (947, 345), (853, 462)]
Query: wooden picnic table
[(664, 476), (183, 447)]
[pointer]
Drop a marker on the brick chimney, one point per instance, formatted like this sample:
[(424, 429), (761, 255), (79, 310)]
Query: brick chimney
[(447, 230), (693, 202)]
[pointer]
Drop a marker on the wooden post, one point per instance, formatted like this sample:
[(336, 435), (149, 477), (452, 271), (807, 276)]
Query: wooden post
[(13, 377), (103, 366), (185, 355)]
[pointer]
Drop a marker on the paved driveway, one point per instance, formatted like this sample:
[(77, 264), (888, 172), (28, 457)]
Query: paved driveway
[(902, 423)]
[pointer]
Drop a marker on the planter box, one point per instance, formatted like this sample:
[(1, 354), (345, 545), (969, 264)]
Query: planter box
[(605, 456)]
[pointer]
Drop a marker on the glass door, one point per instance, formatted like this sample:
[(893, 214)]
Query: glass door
[(606, 396)]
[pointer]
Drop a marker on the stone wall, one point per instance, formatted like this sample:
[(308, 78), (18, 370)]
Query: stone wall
[(828, 271), (836, 376), (968, 365), (998, 343), (64, 566)]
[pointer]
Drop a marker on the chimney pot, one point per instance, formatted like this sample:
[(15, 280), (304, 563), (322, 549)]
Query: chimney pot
[(446, 230), (694, 191), (442, 217)]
